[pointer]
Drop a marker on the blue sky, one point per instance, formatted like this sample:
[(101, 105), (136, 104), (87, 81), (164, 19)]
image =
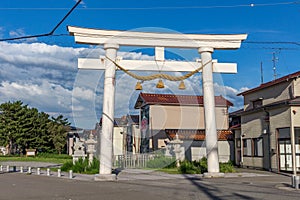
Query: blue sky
[(42, 72)]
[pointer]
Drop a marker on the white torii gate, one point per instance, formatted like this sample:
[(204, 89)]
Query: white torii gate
[(204, 43)]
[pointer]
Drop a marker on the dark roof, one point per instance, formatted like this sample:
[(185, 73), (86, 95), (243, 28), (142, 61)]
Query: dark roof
[(285, 102), (132, 119), (117, 121), (198, 135), (171, 99), (234, 127), (271, 83), (236, 113)]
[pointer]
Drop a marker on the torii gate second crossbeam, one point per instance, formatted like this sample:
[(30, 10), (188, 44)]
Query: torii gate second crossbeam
[(112, 40)]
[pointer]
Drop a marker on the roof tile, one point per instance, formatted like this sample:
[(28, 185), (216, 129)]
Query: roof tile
[(172, 99)]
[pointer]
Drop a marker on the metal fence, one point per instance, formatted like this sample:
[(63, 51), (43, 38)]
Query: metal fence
[(132, 160)]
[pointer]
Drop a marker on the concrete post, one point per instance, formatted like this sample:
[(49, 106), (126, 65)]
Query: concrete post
[(297, 182), (7, 168), (105, 171), (29, 170), (209, 110), (1, 168), (38, 171), (21, 169), (48, 172), (71, 174), (58, 172)]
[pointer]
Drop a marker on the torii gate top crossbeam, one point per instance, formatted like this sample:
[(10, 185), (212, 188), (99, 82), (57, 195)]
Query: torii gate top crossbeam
[(152, 39)]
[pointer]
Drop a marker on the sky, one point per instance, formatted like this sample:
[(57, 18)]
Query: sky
[(42, 71)]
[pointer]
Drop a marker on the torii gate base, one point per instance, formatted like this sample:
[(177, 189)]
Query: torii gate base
[(205, 44), (105, 177)]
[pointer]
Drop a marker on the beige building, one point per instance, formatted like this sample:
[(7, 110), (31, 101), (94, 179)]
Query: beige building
[(270, 121), (165, 115)]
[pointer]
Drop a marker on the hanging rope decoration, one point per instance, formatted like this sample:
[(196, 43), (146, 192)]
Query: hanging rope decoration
[(160, 75)]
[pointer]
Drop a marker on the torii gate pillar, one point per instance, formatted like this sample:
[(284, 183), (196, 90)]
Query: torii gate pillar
[(108, 114), (209, 111)]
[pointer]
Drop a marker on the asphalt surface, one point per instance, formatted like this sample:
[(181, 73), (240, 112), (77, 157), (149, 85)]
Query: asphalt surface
[(145, 184)]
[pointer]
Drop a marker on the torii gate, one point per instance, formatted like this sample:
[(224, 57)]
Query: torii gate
[(204, 43)]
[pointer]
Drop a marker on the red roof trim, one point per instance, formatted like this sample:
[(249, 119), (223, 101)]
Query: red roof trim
[(198, 135), (271, 83), (171, 99)]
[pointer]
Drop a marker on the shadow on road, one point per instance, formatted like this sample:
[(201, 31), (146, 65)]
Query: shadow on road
[(213, 192)]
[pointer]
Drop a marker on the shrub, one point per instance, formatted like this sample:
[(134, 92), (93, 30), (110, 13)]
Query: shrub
[(187, 167), (94, 167), (161, 162), (201, 164), (200, 167), (82, 166), (227, 167), (67, 166)]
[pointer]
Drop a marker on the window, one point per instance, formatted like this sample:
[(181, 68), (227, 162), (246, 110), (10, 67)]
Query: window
[(258, 147), (247, 147), (253, 147), (257, 103)]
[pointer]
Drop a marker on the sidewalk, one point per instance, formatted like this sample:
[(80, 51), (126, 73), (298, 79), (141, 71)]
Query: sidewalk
[(125, 174)]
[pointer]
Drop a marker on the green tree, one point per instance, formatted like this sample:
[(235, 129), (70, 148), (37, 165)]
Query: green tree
[(22, 127), (12, 125), (58, 129)]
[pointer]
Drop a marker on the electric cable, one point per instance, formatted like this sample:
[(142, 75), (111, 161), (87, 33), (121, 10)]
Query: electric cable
[(45, 34)]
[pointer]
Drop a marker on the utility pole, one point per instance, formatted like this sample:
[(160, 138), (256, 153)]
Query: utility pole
[(261, 73), (274, 59)]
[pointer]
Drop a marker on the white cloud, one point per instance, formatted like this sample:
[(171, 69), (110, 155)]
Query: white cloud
[(47, 97), (20, 33), (46, 77), (83, 93)]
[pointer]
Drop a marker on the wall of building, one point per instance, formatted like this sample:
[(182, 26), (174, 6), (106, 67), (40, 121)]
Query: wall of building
[(296, 115), (118, 141), (255, 162), (198, 150), (269, 95), (254, 125), (297, 87), (184, 117)]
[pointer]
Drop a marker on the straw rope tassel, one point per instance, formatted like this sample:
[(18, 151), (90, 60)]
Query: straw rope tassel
[(160, 75)]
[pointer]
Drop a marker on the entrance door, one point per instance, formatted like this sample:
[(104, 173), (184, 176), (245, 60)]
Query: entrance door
[(285, 155)]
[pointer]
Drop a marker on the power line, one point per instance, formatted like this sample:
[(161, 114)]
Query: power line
[(272, 42), (167, 7), (45, 34)]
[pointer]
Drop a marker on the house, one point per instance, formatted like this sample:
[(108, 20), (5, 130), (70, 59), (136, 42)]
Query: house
[(235, 128), (165, 115), (126, 135), (270, 125)]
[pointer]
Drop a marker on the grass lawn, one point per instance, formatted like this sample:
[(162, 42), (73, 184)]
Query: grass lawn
[(52, 158), (169, 170)]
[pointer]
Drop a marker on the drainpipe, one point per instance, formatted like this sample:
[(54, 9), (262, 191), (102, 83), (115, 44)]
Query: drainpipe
[(292, 132), (269, 140), (242, 150)]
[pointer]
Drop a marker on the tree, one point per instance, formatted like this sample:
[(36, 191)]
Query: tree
[(22, 127), (12, 125), (58, 128)]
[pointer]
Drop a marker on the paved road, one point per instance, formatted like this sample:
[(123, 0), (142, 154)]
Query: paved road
[(133, 185)]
